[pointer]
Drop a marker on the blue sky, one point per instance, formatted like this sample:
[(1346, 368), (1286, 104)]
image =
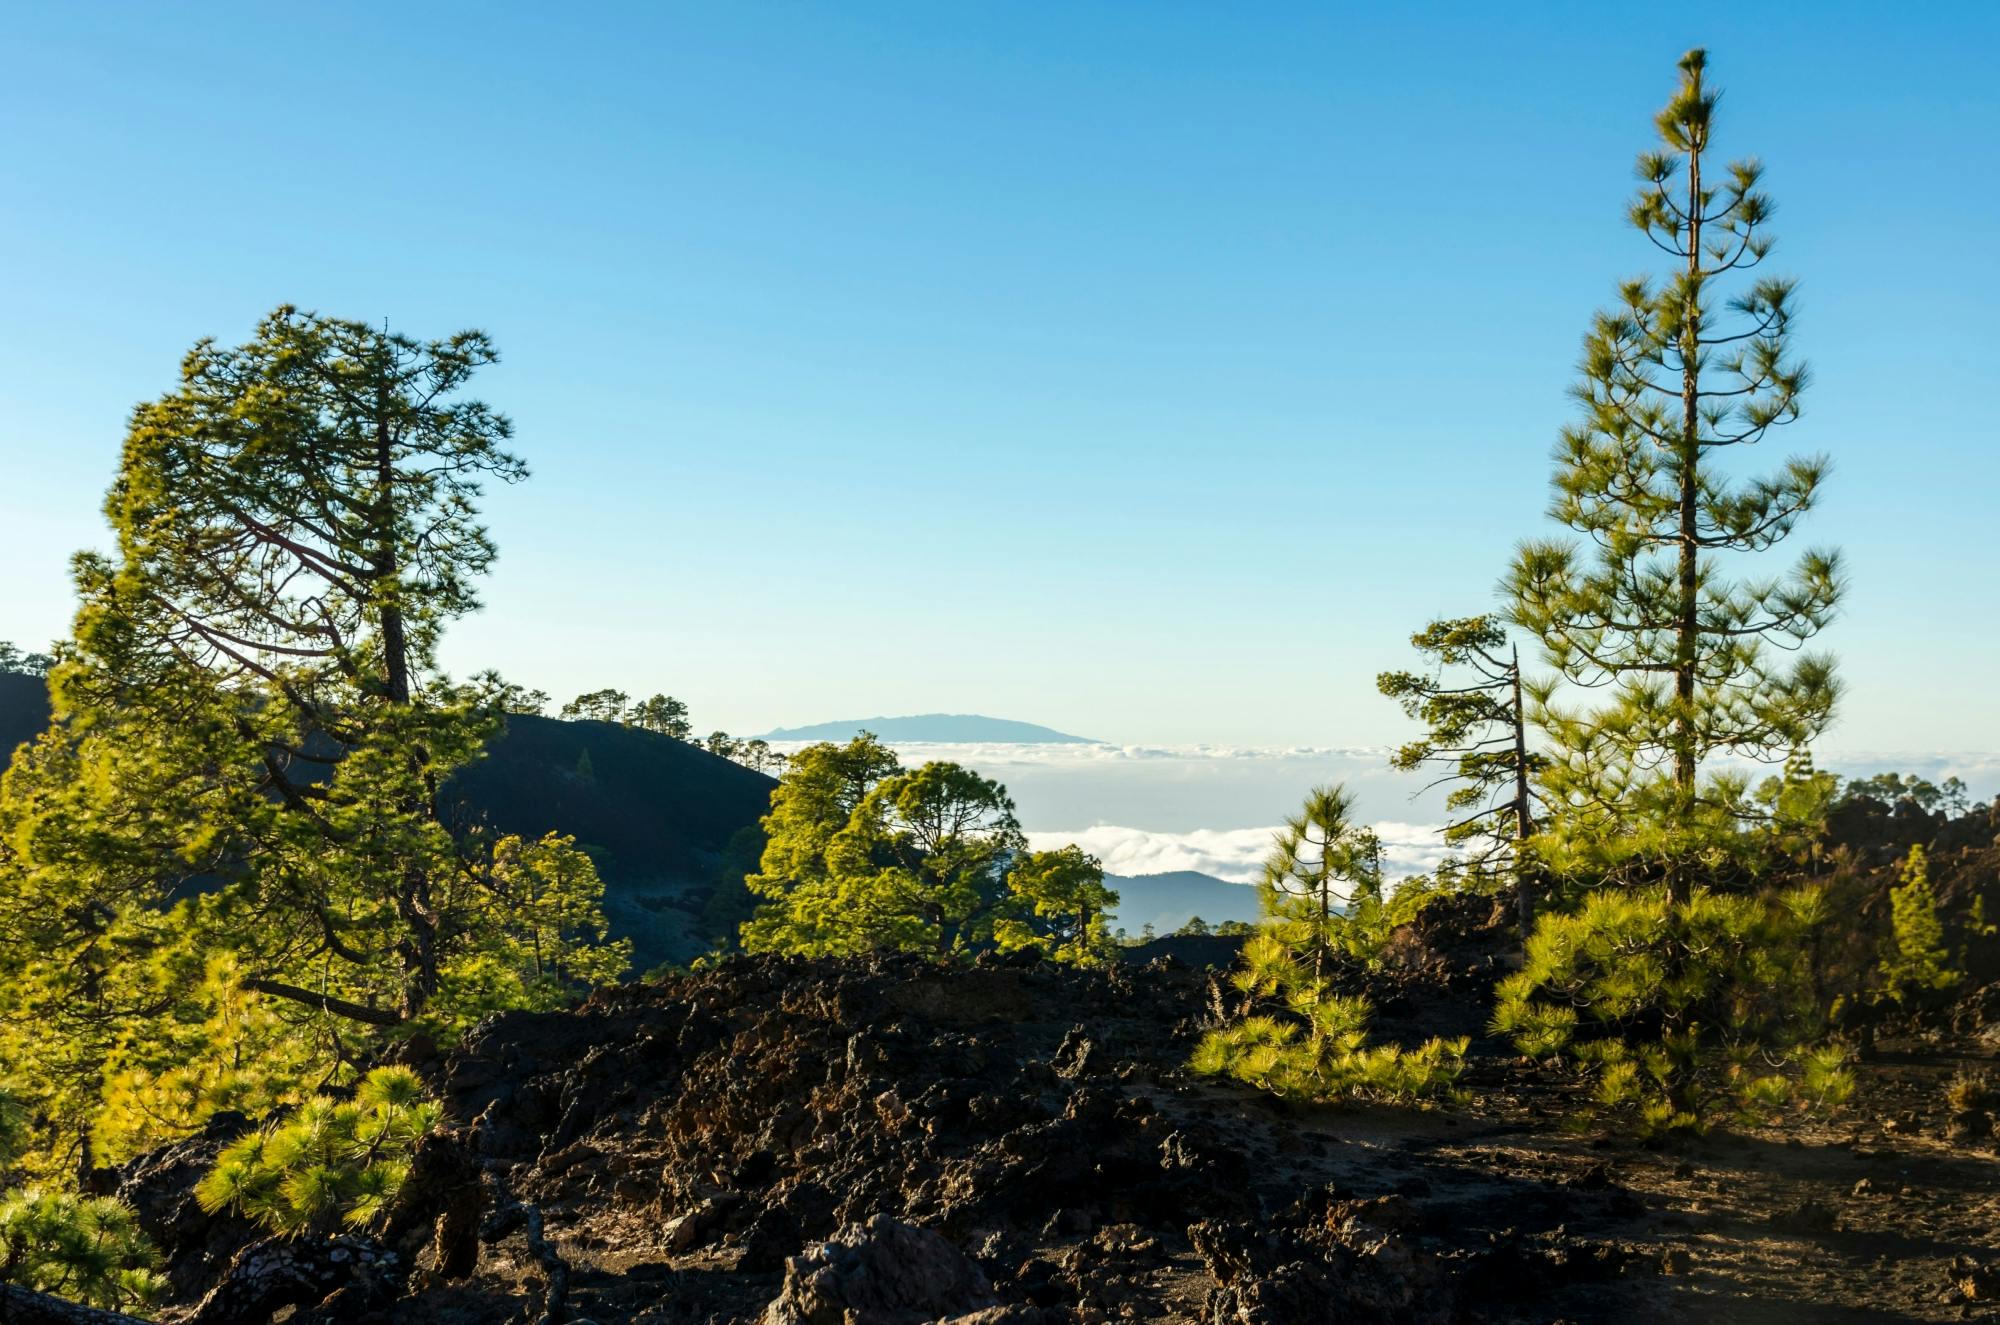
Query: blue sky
[(1147, 370)]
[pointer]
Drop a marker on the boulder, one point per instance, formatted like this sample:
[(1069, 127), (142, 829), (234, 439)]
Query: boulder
[(882, 1272)]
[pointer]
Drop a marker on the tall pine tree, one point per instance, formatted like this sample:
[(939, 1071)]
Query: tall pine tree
[(1677, 375), (241, 792)]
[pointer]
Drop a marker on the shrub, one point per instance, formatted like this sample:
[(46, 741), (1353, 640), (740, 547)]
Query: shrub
[(331, 1162), (1321, 1052), (1916, 961), (1059, 902), (1318, 1048), (1970, 1090), (86, 1249), (1675, 1010)]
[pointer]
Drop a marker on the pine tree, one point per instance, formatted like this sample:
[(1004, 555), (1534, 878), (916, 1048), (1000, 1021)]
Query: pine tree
[(663, 714), (597, 706), (1689, 664), (20, 663), (539, 926), (921, 865), (330, 1163), (1312, 1042), (918, 863), (88, 1249), (1321, 888), (1476, 730), (1059, 903), (812, 804), (252, 729), (1674, 1008), (1916, 960), (1677, 375)]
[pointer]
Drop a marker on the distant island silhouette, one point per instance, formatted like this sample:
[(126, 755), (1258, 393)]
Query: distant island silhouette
[(953, 727)]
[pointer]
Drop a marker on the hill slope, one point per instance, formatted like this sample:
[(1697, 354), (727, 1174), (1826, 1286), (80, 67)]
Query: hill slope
[(1168, 901), (956, 728), (24, 711), (656, 813)]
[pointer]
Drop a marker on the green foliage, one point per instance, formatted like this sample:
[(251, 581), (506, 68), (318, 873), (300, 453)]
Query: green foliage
[(862, 857), (1321, 892), (539, 937), (597, 706), (1892, 789), (86, 1249), (1795, 806), (756, 753), (224, 871), (1321, 1052), (730, 902), (1314, 1043), (813, 803), (506, 697), (329, 1163), (1916, 961), (230, 1050), (1474, 730), (1675, 1009), (1687, 664), (1060, 901), (23, 663), (14, 1130), (918, 868), (663, 714)]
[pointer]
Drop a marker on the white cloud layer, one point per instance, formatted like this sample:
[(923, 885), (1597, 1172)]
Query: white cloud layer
[(1235, 854), (1008, 753)]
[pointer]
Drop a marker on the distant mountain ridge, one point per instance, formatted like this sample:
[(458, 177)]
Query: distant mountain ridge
[(953, 728)]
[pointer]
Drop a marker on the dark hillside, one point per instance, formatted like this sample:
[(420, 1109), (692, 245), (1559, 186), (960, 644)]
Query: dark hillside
[(656, 813), (24, 711), (646, 804)]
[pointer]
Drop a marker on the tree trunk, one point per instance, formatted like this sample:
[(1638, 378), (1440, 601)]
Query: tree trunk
[(1687, 640), (1524, 820), (395, 644), (1687, 643), (1325, 920)]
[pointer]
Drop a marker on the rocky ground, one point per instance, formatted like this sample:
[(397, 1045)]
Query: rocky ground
[(1015, 1142)]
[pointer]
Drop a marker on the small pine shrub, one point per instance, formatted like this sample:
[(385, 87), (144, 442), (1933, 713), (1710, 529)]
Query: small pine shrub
[(86, 1249), (1313, 1043), (1916, 962), (1970, 1090), (1675, 1013), (330, 1162), (1322, 1053)]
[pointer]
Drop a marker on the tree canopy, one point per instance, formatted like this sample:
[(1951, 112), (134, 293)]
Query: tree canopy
[(239, 796)]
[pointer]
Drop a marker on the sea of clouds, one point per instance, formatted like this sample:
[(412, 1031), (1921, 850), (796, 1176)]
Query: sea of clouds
[(1235, 854), (1153, 809)]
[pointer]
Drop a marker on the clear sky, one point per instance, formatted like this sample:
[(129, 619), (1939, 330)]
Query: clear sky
[(1145, 370)]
